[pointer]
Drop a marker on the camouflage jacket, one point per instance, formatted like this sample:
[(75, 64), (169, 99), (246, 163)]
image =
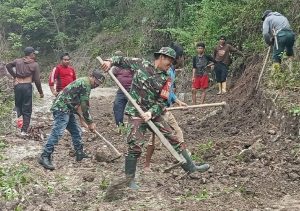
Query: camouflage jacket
[(146, 85), (75, 94)]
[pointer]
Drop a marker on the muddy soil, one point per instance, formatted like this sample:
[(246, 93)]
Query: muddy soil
[(254, 166)]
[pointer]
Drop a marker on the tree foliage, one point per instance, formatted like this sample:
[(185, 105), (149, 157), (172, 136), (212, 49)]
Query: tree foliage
[(55, 25)]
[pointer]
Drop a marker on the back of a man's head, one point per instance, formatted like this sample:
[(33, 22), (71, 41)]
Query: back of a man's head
[(178, 49)]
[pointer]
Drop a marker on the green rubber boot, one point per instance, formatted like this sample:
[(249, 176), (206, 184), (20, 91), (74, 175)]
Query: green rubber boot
[(130, 168), (190, 166)]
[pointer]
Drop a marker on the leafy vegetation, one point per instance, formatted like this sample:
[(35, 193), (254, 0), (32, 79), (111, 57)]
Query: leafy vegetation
[(295, 110), (104, 184), (55, 25), (12, 181), (201, 150)]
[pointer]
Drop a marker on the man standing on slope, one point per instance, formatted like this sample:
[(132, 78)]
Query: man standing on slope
[(277, 32), (222, 57)]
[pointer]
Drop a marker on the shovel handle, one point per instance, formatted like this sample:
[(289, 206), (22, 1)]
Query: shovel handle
[(197, 106), (99, 134), (110, 144)]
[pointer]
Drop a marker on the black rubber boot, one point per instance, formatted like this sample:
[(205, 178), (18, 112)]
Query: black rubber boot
[(130, 168), (80, 155), (45, 161), (190, 166)]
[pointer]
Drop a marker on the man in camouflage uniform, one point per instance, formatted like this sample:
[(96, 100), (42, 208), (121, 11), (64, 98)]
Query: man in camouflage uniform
[(64, 108), (148, 86)]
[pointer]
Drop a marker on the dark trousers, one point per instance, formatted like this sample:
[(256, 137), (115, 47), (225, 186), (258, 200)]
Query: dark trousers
[(23, 103), (221, 71), (286, 40), (119, 106)]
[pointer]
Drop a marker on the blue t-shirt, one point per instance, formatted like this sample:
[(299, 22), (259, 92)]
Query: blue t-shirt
[(172, 96)]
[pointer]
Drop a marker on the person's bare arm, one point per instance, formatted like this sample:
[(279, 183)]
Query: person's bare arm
[(54, 92), (37, 80), (235, 50), (194, 74), (10, 68)]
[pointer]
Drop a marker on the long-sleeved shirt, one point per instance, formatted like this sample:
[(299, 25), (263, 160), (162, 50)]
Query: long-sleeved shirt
[(124, 76), (75, 94), (222, 53), (274, 21), (24, 68), (146, 86), (63, 76)]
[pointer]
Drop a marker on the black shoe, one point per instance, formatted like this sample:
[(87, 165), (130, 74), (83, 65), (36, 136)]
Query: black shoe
[(80, 155), (45, 161)]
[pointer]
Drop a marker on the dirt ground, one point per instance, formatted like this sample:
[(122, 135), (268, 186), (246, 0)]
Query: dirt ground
[(254, 166)]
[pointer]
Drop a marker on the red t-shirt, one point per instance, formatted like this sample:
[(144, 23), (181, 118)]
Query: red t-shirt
[(63, 77)]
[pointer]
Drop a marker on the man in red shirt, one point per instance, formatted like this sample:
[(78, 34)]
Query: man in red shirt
[(62, 75)]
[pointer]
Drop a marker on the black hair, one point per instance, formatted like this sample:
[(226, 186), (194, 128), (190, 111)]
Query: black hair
[(178, 49), (63, 55), (222, 37), (156, 56), (200, 44)]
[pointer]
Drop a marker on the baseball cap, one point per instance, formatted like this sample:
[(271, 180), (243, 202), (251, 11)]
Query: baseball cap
[(167, 51), (98, 75), (29, 50), (267, 12)]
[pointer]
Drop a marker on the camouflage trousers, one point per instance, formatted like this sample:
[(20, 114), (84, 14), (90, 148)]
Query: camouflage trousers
[(169, 118), (136, 137)]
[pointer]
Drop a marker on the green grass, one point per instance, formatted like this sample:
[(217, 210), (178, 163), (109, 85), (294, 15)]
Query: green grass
[(13, 180), (295, 110), (104, 184), (201, 150), (285, 76), (3, 144)]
